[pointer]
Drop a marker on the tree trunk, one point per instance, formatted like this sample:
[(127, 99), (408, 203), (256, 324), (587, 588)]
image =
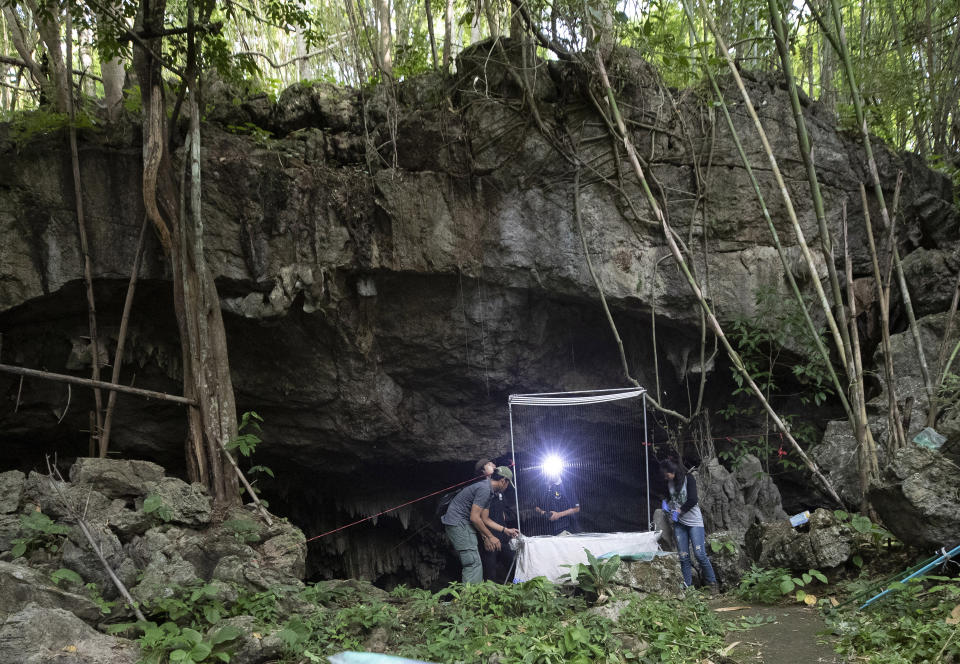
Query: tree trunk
[(385, 43), (206, 369), (431, 34), (48, 25), (447, 36)]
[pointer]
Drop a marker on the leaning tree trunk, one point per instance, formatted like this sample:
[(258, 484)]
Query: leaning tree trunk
[(206, 369)]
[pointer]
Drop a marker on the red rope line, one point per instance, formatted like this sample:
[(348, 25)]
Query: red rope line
[(409, 502)]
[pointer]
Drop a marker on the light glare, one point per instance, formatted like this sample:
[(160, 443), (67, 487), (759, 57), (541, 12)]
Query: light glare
[(552, 466)]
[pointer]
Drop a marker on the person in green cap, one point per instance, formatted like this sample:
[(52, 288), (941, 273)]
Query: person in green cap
[(469, 514)]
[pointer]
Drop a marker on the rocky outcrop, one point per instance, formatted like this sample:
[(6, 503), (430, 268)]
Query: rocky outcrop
[(390, 273), (38, 635), (824, 544), (918, 498)]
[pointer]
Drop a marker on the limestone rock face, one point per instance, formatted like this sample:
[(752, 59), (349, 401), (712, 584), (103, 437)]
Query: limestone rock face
[(116, 478)]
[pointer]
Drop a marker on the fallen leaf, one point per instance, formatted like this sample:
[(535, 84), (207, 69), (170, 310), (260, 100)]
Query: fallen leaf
[(810, 600), (731, 608), (834, 602), (726, 651), (70, 648), (954, 616), (257, 635)]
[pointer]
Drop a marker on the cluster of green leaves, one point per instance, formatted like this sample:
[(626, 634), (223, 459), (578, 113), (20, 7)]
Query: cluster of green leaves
[(770, 586), (778, 323), (38, 531), (877, 535), (245, 444), (182, 627), (93, 590), (595, 576), (153, 504), (683, 630), (25, 127), (169, 642), (726, 546), (918, 621)]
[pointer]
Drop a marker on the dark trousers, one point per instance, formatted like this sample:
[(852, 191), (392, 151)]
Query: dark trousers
[(496, 564)]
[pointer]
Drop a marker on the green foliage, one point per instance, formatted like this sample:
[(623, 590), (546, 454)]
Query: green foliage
[(676, 631), (168, 642), (65, 574), (917, 622), (760, 340), (770, 586), (38, 531), (595, 576), (27, 126), (724, 546), (153, 504), (247, 440), (244, 530)]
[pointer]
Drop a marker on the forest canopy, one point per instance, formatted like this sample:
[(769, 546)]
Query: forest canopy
[(905, 54)]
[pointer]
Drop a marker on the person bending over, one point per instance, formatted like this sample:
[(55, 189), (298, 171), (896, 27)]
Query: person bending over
[(687, 521), (469, 514)]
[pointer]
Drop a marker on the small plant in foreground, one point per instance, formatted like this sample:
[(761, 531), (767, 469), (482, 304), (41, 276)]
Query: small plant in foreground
[(594, 577), (38, 531), (769, 586)]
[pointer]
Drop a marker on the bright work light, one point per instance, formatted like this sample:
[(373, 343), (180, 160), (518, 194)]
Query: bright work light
[(552, 466)]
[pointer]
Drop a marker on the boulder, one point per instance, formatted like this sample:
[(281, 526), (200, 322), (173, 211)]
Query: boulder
[(41, 635), (23, 586), (9, 530), (728, 556), (116, 478), (735, 501), (79, 556), (187, 504), (824, 545), (661, 576), (917, 498), (254, 645), (11, 488)]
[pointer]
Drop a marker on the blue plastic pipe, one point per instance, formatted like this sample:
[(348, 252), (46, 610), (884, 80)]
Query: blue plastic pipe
[(947, 555)]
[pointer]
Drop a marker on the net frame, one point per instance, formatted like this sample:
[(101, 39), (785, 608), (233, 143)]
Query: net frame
[(579, 398)]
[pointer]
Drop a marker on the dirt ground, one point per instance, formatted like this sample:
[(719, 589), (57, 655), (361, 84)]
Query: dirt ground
[(791, 638)]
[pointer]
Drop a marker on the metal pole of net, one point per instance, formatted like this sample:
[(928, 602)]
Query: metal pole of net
[(581, 461)]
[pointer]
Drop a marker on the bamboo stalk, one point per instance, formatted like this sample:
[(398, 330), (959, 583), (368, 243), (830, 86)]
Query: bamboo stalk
[(806, 153), (788, 273), (864, 465), (840, 43), (784, 192), (898, 438), (603, 300), (695, 288)]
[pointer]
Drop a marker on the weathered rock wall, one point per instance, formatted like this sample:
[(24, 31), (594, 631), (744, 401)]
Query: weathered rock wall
[(391, 268)]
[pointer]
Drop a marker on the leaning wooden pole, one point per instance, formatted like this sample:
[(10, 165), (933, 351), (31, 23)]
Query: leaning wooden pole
[(84, 246), (695, 288), (98, 384), (122, 339)]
